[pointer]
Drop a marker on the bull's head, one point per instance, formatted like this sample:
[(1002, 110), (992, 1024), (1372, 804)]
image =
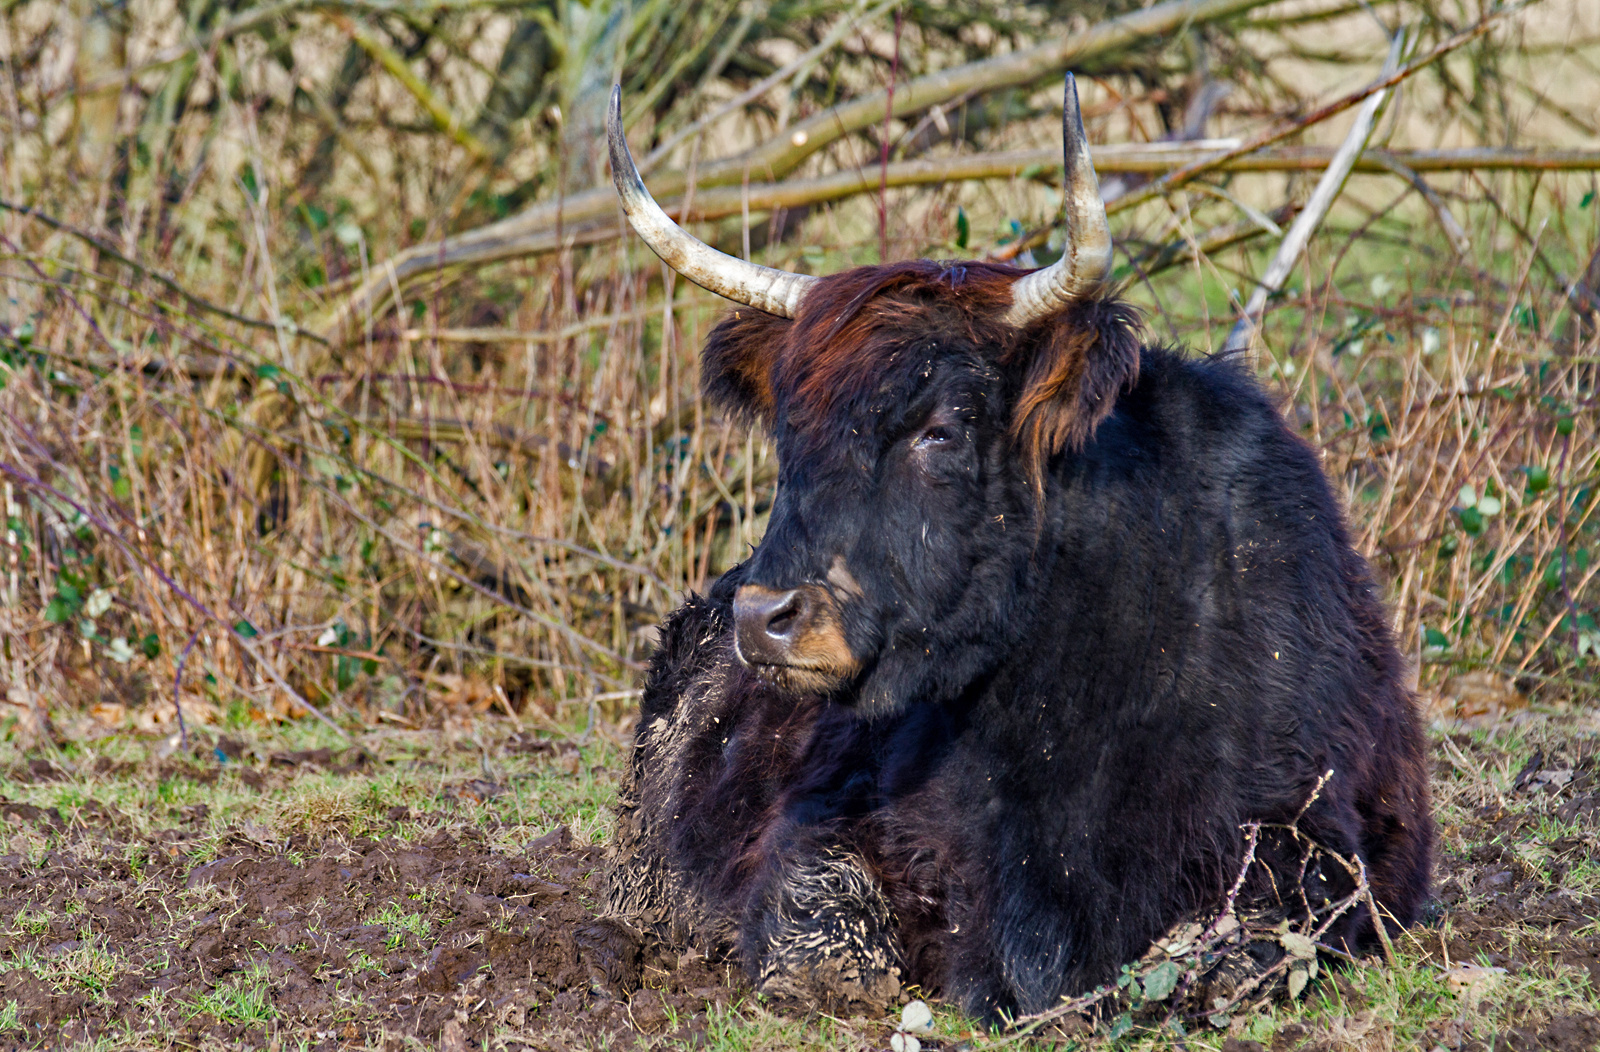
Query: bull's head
[(919, 410)]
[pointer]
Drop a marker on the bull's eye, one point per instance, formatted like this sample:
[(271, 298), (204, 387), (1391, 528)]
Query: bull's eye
[(938, 436)]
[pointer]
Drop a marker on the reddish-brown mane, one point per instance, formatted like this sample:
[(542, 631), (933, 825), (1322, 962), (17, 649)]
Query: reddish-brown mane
[(840, 347)]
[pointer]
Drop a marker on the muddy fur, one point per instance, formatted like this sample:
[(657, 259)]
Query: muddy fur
[(824, 934)]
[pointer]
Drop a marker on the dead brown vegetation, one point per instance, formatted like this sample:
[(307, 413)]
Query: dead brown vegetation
[(484, 490)]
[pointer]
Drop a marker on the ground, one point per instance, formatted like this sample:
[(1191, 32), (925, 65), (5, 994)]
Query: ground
[(284, 888)]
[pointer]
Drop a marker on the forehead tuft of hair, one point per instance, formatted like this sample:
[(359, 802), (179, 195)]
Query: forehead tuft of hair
[(843, 345)]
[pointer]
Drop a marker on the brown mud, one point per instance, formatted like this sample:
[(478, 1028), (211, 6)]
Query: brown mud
[(375, 940), (426, 930)]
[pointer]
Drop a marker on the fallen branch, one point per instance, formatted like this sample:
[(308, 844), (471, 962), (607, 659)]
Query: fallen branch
[(722, 202), (534, 230)]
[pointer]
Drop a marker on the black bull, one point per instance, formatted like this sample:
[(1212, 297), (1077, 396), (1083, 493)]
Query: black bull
[(1042, 616)]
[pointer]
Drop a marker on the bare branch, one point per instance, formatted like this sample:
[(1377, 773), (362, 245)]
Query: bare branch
[(529, 231)]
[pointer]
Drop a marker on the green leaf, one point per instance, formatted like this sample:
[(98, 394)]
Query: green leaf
[(1564, 426), (1588, 199), (59, 610), (1468, 497), (1488, 506), (150, 646), (1538, 478), (122, 487), (1120, 1026), (344, 672), (1471, 521), (246, 629), (1432, 637), (1161, 981), (963, 228), (268, 371)]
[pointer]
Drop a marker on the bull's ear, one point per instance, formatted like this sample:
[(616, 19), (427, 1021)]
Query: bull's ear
[(1074, 369), (736, 366)]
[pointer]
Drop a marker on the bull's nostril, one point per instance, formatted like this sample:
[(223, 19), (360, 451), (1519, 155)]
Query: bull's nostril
[(783, 620), (769, 625)]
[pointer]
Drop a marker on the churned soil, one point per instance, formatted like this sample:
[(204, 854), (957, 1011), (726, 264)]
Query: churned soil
[(327, 940), (452, 926)]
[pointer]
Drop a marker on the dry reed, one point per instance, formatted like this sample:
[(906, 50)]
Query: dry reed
[(488, 496)]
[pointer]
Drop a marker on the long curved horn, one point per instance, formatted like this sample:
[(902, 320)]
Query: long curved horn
[(773, 291), (1085, 261)]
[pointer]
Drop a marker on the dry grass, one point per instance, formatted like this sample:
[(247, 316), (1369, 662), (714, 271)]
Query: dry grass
[(485, 500)]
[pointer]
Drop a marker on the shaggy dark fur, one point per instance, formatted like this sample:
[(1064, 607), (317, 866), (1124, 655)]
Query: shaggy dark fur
[(1104, 609)]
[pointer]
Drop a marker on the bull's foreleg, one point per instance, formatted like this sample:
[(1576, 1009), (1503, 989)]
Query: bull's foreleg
[(820, 932)]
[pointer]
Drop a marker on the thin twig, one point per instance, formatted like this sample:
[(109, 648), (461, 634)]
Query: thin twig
[(242, 641), (157, 276), (1167, 183)]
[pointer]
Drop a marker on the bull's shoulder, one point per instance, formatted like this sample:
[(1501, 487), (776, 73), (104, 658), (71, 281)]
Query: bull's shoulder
[(1210, 398), (1210, 425)]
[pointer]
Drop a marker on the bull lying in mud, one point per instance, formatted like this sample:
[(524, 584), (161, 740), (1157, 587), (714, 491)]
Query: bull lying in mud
[(1042, 616)]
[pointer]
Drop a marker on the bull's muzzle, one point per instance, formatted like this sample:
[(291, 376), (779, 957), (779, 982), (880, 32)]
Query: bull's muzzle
[(795, 633)]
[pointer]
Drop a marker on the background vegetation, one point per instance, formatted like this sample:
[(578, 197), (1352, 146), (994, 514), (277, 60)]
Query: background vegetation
[(329, 381)]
